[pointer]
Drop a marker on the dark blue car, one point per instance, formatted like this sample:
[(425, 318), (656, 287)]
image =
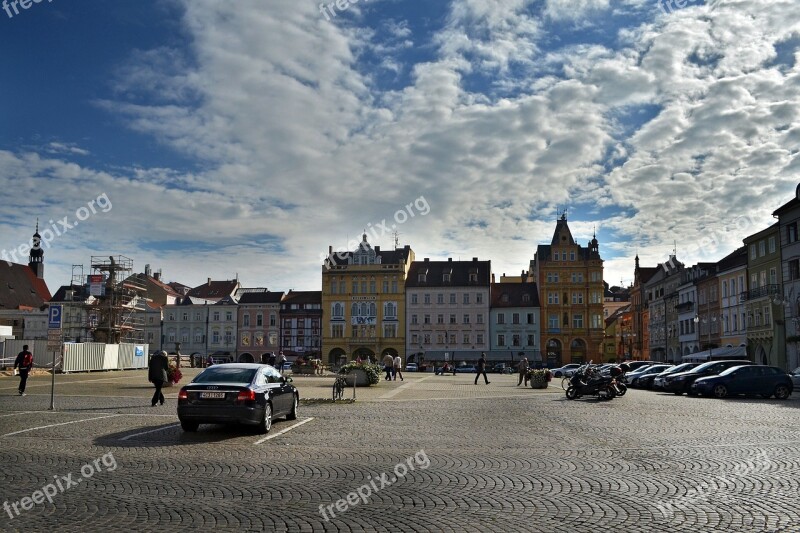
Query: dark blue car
[(765, 381)]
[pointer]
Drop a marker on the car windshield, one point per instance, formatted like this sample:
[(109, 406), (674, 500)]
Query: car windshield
[(679, 368), (220, 374), (655, 369), (730, 370)]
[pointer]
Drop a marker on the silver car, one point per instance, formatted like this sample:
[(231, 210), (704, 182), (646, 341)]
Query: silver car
[(796, 377)]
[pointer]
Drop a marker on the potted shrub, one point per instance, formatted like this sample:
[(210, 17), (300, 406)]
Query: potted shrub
[(539, 378), (366, 373), (174, 374)]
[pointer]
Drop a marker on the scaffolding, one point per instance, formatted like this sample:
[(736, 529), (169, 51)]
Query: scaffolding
[(116, 315)]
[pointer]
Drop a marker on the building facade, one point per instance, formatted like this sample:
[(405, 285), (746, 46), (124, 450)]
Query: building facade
[(732, 276), (571, 294), (301, 324), (789, 228), (447, 310), (514, 328), (364, 293), (258, 324)]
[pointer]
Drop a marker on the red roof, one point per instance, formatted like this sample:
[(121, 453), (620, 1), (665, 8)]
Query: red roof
[(20, 288)]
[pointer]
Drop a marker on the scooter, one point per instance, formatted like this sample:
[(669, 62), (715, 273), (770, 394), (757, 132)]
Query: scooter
[(586, 382)]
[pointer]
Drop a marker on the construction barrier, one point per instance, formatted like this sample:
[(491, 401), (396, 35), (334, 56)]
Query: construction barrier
[(81, 357)]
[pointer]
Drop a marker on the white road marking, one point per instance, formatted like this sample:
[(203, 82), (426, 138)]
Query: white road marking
[(65, 382), (18, 413), (151, 431), (398, 390), (278, 434), (54, 425)]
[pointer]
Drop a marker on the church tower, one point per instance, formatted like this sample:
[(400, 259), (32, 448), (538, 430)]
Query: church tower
[(36, 257)]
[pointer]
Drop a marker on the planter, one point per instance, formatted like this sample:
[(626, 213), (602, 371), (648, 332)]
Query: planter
[(539, 384), (306, 370), (359, 375)]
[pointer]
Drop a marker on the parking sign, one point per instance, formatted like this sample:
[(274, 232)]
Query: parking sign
[(54, 317)]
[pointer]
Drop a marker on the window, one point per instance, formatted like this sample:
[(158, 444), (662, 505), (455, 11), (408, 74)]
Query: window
[(390, 330), (394, 287), (414, 299), (753, 254), (465, 338), (772, 244), (197, 317), (597, 321), (552, 321), (259, 319), (385, 286), (426, 319), (515, 340), (501, 340), (466, 298), (334, 286), (794, 269), (228, 316), (577, 321), (577, 297), (440, 298), (791, 232), (426, 338), (390, 310), (552, 277), (355, 287), (473, 277), (478, 297), (572, 255), (531, 340), (762, 249), (501, 318), (452, 297), (452, 338), (427, 298), (446, 277), (515, 318), (773, 276), (479, 318), (246, 320), (552, 298), (414, 319), (452, 318), (364, 287), (479, 338), (185, 316), (216, 316), (466, 319), (198, 336), (215, 337), (531, 319), (272, 319), (372, 289), (440, 319), (342, 285)]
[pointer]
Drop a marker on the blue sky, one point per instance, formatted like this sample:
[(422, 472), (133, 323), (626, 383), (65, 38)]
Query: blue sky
[(245, 138)]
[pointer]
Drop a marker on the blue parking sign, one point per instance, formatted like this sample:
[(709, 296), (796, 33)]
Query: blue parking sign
[(54, 317)]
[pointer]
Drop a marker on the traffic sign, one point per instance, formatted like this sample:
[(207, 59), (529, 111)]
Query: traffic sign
[(53, 340), (54, 317)]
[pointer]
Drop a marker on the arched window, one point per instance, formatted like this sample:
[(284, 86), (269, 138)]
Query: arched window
[(373, 310), (354, 309)]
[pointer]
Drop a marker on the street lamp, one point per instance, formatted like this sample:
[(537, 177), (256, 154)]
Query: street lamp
[(697, 321)]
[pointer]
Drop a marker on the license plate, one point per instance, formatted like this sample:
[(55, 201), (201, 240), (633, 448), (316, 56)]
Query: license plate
[(212, 395)]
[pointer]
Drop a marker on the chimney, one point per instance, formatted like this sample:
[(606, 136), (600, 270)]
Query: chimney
[(209, 282), (474, 258), (330, 250), (449, 259), (157, 276), (426, 259), (147, 271), (493, 277)]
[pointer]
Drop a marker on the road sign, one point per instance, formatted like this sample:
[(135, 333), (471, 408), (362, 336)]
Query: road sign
[(53, 340), (54, 317)]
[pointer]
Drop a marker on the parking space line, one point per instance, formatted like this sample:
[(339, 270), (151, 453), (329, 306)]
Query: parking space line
[(54, 425), (19, 413), (281, 432), (67, 382), (151, 431)]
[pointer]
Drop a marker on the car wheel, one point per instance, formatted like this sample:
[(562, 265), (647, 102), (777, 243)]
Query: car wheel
[(189, 427), (293, 413), (266, 421), (557, 374), (782, 392), (572, 393), (720, 391)]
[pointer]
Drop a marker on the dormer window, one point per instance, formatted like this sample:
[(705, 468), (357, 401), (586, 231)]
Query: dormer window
[(446, 277), (526, 297), (422, 277), (504, 298)]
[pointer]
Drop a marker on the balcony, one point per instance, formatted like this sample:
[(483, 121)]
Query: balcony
[(685, 307), (761, 292)]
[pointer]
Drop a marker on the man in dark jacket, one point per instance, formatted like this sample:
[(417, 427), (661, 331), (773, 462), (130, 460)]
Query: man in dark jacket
[(481, 369), (24, 361), (157, 374)]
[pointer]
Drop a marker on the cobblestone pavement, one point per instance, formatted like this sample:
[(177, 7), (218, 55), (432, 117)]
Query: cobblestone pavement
[(426, 454)]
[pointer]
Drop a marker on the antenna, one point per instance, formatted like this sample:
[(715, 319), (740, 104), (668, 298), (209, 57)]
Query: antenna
[(396, 235)]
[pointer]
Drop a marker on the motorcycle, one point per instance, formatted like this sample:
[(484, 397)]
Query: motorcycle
[(586, 381)]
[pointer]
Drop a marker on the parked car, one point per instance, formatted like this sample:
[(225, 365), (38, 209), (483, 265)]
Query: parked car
[(502, 368), (644, 380), (796, 377), (237, 393), (411, 367), (681, 382), (765, 381), (658, 381), (636, 365), (633, 374), (466, 369), (561, 371)]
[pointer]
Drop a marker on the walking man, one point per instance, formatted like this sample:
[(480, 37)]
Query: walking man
[(24, 361), (281, 360), (481, 369), (388, 364), (398, 367), (157, 374), (523, 371)]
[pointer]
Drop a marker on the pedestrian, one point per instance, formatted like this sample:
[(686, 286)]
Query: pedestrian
[(157, 373), (398, 367), (281, 360), (24, 361), (388, 364), (272, 359), (523, 371), (481, 369)]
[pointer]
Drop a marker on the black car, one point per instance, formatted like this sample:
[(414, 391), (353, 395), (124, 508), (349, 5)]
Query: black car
[(243, 393), (751, 379), (681, 382), (658, 380), (644, 378)]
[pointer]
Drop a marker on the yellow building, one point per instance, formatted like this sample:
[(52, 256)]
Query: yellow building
[(571, 290), (363, 303)]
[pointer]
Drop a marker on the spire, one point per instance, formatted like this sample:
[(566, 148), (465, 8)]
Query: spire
[(36, 256)]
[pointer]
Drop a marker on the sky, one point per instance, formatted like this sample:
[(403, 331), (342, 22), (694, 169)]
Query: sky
[(223, 139)]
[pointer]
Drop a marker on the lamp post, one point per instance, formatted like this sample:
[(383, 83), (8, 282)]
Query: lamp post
[(708, 322)]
